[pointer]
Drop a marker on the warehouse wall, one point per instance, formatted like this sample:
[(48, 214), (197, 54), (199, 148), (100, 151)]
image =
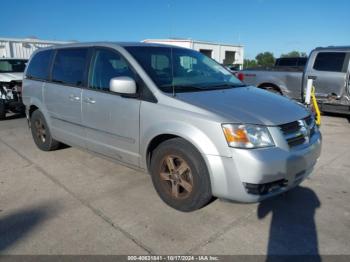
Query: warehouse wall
[(4, 49), (218, 51), (22, 48)]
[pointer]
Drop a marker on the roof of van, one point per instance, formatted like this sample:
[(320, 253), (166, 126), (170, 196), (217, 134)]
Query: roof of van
[(122, 44)]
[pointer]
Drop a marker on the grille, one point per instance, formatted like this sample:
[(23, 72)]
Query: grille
[(299, 132)]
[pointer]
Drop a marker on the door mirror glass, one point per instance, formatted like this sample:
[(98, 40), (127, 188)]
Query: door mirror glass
[(122, 85)]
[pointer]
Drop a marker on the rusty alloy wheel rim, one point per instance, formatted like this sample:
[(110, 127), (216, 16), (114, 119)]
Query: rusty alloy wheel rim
[(176, 177), (40, 130)]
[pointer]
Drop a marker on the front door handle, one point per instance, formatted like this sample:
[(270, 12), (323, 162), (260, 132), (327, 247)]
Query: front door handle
[(74, 98), (90, 100)]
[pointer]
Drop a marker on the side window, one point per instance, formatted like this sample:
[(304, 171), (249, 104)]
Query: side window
[(188, 62), (106, 65), (69, 66), (160, 62), (329, 61), (161, 68), (39, 65)]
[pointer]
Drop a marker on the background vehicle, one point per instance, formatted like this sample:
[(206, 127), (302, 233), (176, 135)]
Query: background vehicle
[(174, 112), (291, 62), (11, 75), (329, 67), (233, 68)]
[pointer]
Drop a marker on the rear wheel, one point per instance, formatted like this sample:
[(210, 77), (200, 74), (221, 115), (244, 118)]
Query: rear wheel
[(41, 133), (2, 109), (180, 176), (272, 89)]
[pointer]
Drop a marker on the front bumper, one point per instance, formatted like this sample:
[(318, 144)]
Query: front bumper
[(231, 177), (15, 106)]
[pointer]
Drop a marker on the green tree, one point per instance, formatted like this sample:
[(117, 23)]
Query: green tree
[(248, 63), (294, 54), (265, 59)]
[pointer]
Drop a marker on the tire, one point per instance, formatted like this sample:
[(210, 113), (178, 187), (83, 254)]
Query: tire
[(187, 187), (2, 109), (41, 133), (273, 90)]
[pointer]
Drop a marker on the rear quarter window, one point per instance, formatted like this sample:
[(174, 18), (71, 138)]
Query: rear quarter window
[(39, 65), (330, 61)]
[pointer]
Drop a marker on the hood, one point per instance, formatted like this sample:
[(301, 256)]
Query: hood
[(248, 105), (8, 77)]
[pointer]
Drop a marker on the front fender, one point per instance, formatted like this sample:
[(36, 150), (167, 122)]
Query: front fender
[(200, 140)]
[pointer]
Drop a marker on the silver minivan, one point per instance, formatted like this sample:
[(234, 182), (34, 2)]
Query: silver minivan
[(198, 130)]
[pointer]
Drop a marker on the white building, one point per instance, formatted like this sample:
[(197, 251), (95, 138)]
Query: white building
[(223, 53), (23, 48)]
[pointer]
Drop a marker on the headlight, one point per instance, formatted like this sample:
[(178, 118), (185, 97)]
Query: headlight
[(247, 136)]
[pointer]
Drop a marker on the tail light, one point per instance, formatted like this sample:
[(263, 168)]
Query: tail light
[(240, 76)]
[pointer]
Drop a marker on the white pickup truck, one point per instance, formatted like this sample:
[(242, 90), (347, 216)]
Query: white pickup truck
[(11, 75), (328, 66)]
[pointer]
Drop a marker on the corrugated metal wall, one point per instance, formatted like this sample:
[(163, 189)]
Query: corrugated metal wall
[(21, 48), (4, 49), (24, 50)]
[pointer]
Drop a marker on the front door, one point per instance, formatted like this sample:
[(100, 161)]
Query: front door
[(330, 73), (62, 95), (111, 121)]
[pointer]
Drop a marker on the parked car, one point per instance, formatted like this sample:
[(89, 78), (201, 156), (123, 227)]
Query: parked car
[(328, 66), (175, 113), (11, 74), (233, 67)]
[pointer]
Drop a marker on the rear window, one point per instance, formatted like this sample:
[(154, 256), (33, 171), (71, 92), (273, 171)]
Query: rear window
[(69, 66), (292, 61), (286, 62), (39, 65), (330, 61), (302, 61)]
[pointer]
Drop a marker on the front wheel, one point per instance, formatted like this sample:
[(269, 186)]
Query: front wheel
[(180, 176)]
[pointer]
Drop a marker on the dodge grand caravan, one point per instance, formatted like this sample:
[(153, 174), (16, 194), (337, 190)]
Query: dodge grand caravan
[(175, 113)]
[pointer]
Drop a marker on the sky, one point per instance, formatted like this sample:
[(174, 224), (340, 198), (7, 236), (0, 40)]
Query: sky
[(258, 25)]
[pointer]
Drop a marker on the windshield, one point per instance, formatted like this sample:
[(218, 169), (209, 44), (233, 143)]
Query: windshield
[(12, 66), (185, 70)]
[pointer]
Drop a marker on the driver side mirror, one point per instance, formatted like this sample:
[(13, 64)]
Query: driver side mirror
[(123, 85)]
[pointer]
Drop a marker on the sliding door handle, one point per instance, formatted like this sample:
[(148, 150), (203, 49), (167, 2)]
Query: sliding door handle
[(74, 98), (90, 100)]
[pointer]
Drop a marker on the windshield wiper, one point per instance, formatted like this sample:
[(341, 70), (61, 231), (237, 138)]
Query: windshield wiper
[(191, 88), (183, 88), (225, 86)]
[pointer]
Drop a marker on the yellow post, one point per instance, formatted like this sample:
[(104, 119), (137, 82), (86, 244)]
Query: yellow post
[(315, 105)]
